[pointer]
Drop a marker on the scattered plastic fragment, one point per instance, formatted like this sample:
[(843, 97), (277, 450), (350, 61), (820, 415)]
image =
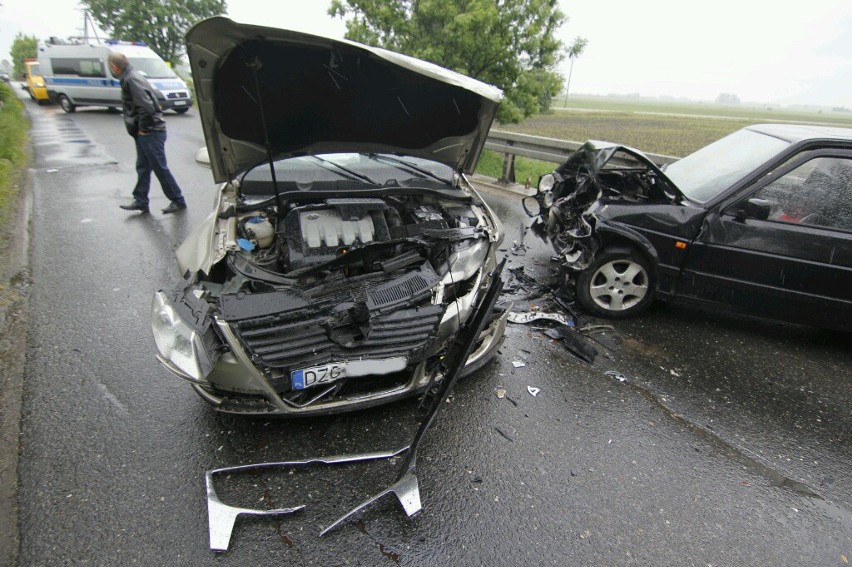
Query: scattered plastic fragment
[(591, 329), (518, 363), (505, 435), (51, 170), (501, 393), (617, 375), (575, 343), (530, 316), (533, 391)]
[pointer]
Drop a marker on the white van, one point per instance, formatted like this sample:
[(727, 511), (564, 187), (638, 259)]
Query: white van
[(78, 75)]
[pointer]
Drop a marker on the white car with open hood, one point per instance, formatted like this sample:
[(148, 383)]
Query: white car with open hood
[(347, 246)]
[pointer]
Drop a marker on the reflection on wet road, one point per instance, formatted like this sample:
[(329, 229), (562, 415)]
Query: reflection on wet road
[(59, 142)]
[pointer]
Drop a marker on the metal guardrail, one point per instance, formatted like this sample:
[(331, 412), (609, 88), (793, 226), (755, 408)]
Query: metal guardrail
[(512, 144)]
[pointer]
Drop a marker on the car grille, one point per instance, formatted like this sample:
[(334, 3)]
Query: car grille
[(178, 95), (276, 344)]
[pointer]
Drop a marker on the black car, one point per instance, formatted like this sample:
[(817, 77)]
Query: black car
[(759, 222)]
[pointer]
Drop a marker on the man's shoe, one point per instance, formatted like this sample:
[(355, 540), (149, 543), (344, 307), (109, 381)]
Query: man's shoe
[(173, 208), (134, 206)]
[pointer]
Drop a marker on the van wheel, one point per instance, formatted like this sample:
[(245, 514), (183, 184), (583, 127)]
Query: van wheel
[(66, 104), (181, 110), (616, 285)]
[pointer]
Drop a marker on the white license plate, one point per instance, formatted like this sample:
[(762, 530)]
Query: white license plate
[(327, 373), (180, 103)]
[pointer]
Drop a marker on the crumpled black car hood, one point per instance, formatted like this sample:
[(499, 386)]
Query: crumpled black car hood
[(597, 174)]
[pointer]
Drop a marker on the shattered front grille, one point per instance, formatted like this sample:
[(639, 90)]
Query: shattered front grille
[(276, 344)]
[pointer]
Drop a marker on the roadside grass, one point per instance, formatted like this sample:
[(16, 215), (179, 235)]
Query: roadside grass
[(14, 136), (656, 127)]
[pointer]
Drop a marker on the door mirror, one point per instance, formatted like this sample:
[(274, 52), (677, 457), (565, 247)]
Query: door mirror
[(753, 208), (758, 208)]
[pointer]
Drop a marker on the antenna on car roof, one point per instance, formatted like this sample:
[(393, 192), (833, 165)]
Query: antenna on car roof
[(255, 66)]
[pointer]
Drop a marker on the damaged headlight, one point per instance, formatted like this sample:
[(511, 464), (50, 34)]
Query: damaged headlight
[(546, 182), (181, 348), (464, 263)]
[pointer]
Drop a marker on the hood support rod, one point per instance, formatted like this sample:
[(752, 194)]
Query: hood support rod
[(255, 65)]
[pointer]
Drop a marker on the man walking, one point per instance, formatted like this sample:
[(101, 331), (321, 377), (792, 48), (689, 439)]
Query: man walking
[(143, 118)]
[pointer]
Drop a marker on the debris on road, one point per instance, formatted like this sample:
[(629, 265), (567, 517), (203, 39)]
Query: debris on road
[(530, 316), (533, 390), (575, 343), (503, 434), (518, 363), (617, 375)]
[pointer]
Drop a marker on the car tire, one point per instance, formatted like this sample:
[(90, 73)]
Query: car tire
[(181, 110), (618, 284), (66, 104)]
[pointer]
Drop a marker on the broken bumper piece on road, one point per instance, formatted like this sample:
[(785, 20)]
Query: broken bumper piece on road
[(221, 517)]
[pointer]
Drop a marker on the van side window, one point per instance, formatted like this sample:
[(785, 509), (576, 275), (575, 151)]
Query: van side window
[(78, 67), (91, 68)]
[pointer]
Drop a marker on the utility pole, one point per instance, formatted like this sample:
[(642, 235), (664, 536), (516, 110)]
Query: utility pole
[(574, 51)]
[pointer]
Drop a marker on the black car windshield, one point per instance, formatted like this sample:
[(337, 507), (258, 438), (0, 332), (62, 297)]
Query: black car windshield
[(307, 173), (152, 67), (703, 175)]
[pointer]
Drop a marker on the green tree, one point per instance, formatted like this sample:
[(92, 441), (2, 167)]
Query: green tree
[(512, 44), (23, 47), (161, 24)]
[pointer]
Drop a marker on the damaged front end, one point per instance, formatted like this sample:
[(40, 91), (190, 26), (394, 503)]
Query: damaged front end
[(328, 300), (572, 201)]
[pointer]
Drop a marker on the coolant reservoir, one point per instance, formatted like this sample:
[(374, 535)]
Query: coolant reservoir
[(262, 229)]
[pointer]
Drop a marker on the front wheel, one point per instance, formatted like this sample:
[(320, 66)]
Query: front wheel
[(66, 104), (616, 285), (181, 110)]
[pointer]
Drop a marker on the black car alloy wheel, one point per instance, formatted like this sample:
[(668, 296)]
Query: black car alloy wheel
[(617, 284)]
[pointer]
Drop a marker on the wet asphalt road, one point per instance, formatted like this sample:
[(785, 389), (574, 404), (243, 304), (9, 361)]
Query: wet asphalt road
[(724, 441)]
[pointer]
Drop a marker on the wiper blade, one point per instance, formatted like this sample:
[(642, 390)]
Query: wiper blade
[(351, 174), (413, 168)]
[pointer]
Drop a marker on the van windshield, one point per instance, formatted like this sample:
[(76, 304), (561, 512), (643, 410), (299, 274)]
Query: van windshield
[(152, 67), (33, 68)]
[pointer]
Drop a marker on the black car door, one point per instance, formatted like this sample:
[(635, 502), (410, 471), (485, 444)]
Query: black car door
[(781, 248)]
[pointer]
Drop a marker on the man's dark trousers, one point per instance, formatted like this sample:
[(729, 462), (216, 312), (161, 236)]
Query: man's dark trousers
[(151, 156)]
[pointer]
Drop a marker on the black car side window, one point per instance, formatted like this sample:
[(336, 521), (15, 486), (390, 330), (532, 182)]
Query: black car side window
[(817, 193)]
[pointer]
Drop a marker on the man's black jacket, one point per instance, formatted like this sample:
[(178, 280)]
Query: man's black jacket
[(142, 112)]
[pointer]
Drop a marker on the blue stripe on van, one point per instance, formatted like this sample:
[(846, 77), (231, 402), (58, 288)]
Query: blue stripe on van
[(80, 82)]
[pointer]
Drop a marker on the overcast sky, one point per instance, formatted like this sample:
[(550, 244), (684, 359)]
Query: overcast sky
[(760, 50)]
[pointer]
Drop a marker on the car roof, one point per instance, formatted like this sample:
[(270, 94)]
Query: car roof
[(793, 133)]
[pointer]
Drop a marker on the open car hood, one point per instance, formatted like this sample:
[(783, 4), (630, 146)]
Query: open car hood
[(267, 92)]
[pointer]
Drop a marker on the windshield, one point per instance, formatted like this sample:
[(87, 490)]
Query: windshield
[(325, 171), (33, 68), (712, 169), (152, 67)]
